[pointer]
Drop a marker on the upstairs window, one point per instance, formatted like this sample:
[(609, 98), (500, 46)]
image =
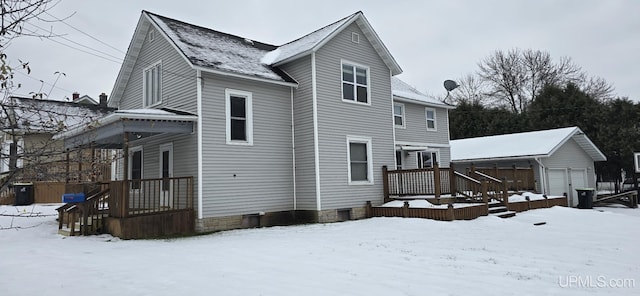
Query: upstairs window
[(355, 83), (430, 114), (398, 114), (239, 117), (152, 85)]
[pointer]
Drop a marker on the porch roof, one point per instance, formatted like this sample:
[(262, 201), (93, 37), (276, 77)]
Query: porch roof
[(109, 131)]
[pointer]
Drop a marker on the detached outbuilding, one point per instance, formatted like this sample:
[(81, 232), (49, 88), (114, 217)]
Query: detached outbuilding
[(562, 159)]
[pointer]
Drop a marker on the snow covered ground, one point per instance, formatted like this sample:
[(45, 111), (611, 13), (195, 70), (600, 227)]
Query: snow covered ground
[(577, 252)]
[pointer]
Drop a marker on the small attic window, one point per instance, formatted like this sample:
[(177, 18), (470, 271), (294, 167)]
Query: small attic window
[(152, 35), (355, 37)]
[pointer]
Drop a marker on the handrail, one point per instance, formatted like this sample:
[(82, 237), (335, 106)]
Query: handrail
[(488, 177), (466, 177)]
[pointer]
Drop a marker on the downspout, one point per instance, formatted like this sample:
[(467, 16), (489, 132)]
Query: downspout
[(316, 151), (541, 170), (199, 136), (293, 153)]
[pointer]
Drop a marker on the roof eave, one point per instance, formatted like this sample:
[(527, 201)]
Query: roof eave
[(113, 117), (414, 101), (521, 157), (249, 77)]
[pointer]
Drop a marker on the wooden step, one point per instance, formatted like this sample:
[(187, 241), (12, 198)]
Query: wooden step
[(507, 214), (498, 209)]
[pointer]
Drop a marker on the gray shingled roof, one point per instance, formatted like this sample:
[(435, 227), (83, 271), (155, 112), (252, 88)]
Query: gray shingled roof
[(216, 50)]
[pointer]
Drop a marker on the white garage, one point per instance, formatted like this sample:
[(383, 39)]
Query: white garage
[(563, 159)]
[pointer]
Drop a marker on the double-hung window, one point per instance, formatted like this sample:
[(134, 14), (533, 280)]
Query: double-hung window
[(355, 83), (360, 160), (430, 114), (152, 85), (398, 114), (239, 119), (135, 166)]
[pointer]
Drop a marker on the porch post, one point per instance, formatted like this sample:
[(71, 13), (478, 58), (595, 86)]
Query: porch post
[(67, 167), (436, 179), (452, 180), (124, 206)]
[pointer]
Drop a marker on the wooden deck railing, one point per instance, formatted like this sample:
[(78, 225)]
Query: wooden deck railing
[(150, 196), (90, 213)]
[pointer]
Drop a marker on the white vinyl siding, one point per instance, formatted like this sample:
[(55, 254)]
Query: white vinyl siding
[(359, 159), (355, 83), (239, 117), (398, 115), (152, 85), (430, 115)]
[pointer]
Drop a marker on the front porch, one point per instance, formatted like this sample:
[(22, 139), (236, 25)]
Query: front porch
[(132, 205), (144, 208)]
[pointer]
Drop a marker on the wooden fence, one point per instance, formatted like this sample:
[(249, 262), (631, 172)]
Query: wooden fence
[(43, 192), (518, 178)]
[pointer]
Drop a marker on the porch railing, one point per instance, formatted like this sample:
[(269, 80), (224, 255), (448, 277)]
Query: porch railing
[(150, 196), (438, 181)]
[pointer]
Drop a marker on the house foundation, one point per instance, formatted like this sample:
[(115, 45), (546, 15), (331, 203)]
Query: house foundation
[(282, 218)]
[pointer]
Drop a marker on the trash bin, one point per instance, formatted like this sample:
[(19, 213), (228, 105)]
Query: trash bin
[(24, 193), (585, 198)]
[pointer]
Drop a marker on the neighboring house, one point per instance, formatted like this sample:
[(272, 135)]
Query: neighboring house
[(562, 159), (421, 128), (30, 124), (297, 132)]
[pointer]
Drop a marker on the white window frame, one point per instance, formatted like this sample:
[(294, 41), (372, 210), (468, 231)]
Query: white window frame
[(354, 83), (367, 142), (228, 93), (636, 161), (147, 102), (427, 120), (355, 37), (419, 158), (402, 116)]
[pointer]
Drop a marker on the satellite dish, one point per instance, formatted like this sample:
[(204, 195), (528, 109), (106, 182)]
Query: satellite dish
[(450, 85)]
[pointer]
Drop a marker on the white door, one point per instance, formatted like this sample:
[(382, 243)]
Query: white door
[(558, 182), (166, 172), (578, 181)]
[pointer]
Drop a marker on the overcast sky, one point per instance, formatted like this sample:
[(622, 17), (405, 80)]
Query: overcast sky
[(431, 40)]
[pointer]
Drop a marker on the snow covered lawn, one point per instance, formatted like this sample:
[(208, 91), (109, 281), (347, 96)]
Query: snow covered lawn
[(577, 252)]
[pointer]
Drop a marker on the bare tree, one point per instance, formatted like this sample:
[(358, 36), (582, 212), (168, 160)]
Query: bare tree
[(516, 77), (27, 149), (471, 90)]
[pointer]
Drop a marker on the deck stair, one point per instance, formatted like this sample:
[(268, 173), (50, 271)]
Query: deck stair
[(499, 210), (84, 218)]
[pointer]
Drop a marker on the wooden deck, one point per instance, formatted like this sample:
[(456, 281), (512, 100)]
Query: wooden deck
[(144, 208)]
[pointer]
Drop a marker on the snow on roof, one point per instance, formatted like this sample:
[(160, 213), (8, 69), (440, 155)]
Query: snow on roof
[(216, 50), (519, 145), (403, 90), (49, 116), (303, 44)]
